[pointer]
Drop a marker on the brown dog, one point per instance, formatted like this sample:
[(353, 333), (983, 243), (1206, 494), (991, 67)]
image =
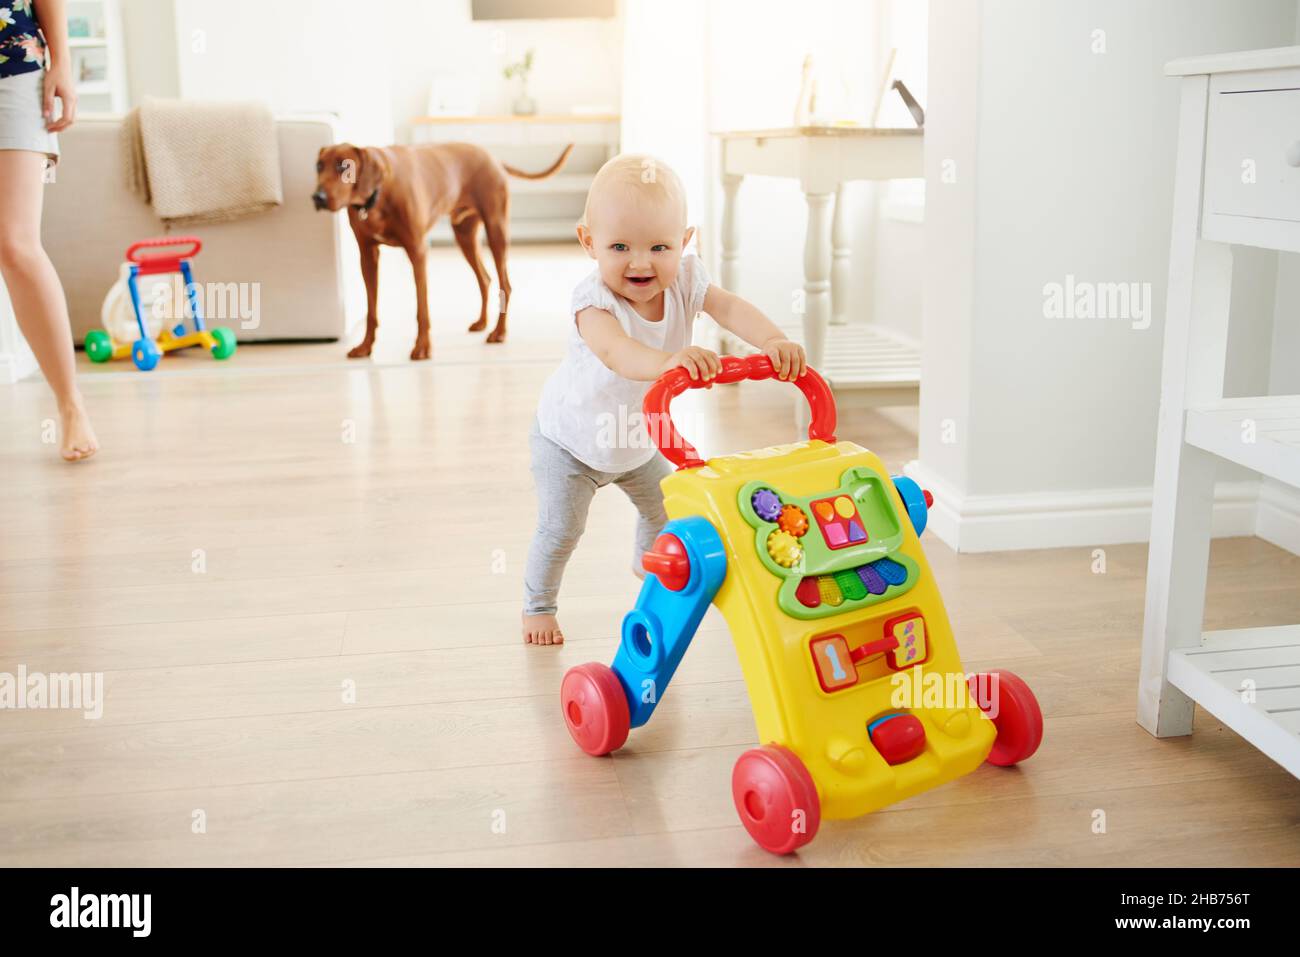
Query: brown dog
[(395, 195)]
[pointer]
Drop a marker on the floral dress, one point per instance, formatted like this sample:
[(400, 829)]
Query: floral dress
[(22, 49)]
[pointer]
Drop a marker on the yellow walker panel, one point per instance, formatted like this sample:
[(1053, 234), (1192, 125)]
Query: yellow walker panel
[(811, 553)]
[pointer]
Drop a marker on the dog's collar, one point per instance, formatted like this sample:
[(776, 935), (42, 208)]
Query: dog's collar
[(365, 207)]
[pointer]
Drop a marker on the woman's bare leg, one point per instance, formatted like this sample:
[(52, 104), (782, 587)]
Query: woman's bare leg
[(37, 295)]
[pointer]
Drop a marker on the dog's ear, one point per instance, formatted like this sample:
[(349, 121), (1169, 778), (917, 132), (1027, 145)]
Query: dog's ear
[(372, 173)]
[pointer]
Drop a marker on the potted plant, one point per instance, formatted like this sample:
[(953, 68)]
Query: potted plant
[(524, 104)]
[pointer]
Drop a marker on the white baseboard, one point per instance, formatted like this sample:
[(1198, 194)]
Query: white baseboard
[(1277, 519), (991, 523)]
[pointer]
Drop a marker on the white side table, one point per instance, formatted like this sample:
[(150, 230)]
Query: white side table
[(1237, 181), (822, 158)]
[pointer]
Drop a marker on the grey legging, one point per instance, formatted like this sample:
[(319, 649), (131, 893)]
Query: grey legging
[(565, 487)]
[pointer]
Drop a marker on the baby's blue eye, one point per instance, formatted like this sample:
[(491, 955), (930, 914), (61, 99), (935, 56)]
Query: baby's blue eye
[(619, 247), (659, 249)]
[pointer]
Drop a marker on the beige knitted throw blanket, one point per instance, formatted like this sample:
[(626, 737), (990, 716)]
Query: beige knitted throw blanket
[(200, 162)]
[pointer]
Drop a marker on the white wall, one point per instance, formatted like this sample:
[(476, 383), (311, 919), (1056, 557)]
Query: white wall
[(149, 42), (576, 63), (1065, 160), (949, 249), (296, 55), (303, 56), (664, 112), (888, 281), (755, 52)]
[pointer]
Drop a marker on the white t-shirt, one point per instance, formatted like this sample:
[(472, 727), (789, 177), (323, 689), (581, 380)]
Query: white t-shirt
[(587, 408)]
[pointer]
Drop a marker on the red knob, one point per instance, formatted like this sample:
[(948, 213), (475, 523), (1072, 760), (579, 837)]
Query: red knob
[(899, 738), (879, 646), (668, 560), (929, 499)]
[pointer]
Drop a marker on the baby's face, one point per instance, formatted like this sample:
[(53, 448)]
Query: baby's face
[(636, 242)]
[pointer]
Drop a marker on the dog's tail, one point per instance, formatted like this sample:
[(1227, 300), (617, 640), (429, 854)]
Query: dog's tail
[(555, 167)]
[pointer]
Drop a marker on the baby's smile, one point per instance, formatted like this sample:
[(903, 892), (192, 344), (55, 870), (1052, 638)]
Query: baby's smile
[(640, 280)]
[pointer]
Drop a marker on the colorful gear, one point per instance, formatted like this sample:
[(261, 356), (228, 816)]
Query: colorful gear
[(794, 521), (767, 504), (784, 548)]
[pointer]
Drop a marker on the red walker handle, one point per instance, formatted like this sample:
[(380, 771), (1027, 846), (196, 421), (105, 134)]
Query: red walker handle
[(164, 262), (674, 382)]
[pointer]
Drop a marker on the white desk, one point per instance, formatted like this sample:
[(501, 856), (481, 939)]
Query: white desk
[(822, 159), (1237, 181)]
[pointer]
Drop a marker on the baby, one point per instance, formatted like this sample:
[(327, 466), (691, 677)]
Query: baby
[(632, 323)]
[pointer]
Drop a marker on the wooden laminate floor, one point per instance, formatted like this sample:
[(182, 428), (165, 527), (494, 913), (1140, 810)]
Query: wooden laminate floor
[(343, 681)]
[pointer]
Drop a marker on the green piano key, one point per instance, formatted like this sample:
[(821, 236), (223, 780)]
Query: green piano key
[(851, 584)]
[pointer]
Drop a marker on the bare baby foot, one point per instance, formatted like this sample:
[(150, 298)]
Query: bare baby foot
[(542, 630)]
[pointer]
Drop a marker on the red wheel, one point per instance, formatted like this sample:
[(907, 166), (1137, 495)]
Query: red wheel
[(595, 708), (776, 799), (1018, 718)]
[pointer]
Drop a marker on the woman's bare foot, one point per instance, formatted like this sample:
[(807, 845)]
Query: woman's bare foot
[(542, 630), (79, 441)]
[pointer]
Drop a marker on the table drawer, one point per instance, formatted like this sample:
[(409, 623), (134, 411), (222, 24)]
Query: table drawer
[(1253, 135)]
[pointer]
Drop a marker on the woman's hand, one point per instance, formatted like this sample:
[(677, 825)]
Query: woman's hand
[(698, 363), (58, 83), (787, 357)]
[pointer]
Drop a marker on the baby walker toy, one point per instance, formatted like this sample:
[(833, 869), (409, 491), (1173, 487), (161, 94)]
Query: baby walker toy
[(812, 554), (127, 331)]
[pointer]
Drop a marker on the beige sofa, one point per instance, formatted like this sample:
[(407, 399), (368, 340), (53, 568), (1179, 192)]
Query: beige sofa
[(292, 252)]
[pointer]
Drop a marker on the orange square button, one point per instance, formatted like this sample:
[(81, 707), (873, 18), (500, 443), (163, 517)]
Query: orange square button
[(835, 668)]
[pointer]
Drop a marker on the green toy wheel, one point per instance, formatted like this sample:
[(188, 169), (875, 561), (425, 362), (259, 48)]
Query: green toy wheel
[(99, 345), (224, 347)]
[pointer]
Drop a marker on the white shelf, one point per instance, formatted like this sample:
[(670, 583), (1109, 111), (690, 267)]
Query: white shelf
[(1224, 428), (859, 356), (1215, 676), (1182, 665), (105, 50)]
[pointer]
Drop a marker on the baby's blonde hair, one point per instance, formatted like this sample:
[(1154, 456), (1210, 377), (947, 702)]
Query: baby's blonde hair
[(649, 177)]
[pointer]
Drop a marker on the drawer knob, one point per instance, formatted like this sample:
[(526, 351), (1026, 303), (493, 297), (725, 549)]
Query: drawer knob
[(1293, 154)]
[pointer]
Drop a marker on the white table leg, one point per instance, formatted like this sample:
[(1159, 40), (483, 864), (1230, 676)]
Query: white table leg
[(730, 233), (816, 278), (840, 253), (729, 253), (1183, 506), (817, 291), (1196, 332)]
